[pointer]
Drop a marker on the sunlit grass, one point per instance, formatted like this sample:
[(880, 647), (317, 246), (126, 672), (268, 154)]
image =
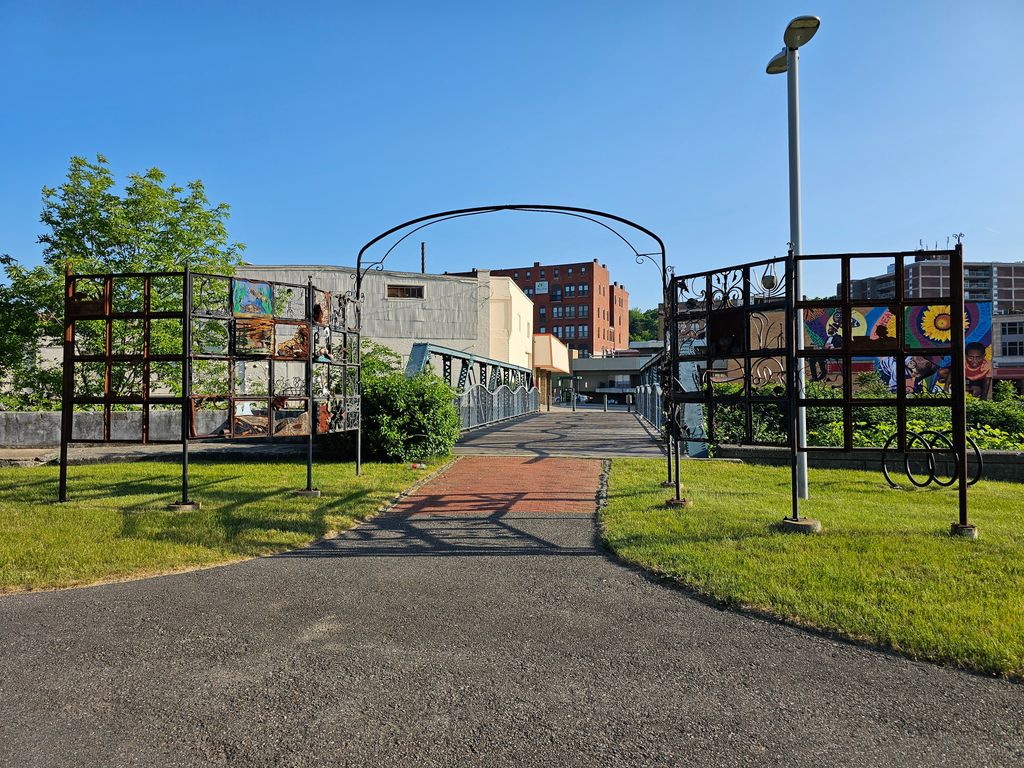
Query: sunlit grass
[(116, 523), (885, 569)]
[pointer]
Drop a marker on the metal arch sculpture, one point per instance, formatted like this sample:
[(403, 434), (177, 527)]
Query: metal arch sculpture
[(589, 214)]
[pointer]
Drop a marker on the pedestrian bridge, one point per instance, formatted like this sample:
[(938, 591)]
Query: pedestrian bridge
[(562, 432)]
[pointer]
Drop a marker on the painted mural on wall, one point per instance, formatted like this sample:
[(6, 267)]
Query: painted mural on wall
[(925, 328)]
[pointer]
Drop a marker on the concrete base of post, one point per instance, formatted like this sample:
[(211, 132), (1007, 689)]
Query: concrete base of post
[(312, 494), (681, 502), (801, 525), (184, 506), (668, 484), (964, 531)]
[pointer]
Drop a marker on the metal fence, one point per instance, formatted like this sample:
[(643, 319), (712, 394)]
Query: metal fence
[(648, 404), (478, 406)]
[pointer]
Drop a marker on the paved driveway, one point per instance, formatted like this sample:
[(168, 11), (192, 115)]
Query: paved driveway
[(478, 624)]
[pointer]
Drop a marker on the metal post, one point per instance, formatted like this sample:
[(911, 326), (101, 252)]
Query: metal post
[(956, 284), (186, 387), (310, 344), (67, 407), (792, 390), (606, 403), (793, 92)]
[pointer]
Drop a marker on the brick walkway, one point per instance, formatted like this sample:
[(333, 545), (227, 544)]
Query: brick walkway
[(485, 486)]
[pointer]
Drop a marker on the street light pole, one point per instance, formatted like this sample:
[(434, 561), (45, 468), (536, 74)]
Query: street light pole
[(798, 32)]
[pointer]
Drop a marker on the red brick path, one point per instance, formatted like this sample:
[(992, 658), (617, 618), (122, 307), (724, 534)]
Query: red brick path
[(483, 486)]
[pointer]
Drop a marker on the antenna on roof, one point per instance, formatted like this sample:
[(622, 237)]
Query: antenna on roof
[(423, 257)]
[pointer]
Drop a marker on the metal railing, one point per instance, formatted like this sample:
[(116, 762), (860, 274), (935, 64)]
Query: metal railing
[(478, 406), (648, 404)]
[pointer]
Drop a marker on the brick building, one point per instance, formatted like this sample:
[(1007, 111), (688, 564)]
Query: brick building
[(578, 303)]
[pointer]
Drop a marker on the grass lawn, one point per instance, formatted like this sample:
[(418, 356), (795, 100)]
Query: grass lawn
[(884, 570), (116, 525)]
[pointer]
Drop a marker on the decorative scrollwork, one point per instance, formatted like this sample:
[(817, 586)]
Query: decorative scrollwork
[(767, 370), (768, 331), (727, 289)]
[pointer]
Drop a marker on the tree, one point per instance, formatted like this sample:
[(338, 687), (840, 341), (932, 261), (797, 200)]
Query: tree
[(150, 227), (643, 324)]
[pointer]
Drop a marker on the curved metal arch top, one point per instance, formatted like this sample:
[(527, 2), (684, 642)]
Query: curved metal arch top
[(564, 210)]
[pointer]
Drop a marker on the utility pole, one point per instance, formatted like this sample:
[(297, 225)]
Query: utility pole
[(423, 257)]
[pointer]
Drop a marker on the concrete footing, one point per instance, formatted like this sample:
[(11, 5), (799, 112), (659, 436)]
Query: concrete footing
[(312, 494), (184, 506), (801, 525), (964, 531), (681, 502), (667, 484)]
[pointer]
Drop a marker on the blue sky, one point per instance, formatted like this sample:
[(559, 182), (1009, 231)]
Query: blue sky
[(323, 124)]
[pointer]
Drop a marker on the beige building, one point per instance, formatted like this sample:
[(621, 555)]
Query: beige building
[(551, 357), (511, 331)]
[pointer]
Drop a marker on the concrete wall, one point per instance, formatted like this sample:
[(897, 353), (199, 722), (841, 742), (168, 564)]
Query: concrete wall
[(999, 465), (511, 319)]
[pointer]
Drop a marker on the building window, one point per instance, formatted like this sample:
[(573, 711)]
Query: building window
[(556, 293), (584, 310), (405, 291), (583, 331), (583, 270), (1013, 348), (1013, 329), (570, 290), (527, 274), (543, 329), (558, 331), (556, 311), (569, 270), (515, 275), (542, 312), (584, 289), (570, 311)]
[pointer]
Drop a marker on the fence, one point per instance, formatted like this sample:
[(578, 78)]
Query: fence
[(648, 404), (478, 406)]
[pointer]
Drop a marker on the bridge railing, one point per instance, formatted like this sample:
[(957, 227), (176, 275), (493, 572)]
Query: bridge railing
[(648, 404), (478, 406)]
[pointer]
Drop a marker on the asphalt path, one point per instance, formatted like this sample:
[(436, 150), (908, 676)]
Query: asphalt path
[(492, 630)]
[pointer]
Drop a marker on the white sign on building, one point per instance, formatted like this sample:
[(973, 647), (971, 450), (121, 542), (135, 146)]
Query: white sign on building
[(541, 286)]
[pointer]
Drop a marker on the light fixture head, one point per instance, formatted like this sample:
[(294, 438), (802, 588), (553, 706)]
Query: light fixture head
[(779, 63), (800, 30)]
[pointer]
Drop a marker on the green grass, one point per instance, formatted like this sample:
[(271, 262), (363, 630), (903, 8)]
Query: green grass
[(116, 525), (884, 570)]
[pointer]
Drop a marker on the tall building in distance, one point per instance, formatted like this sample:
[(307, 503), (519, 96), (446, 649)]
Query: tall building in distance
[(999, 282), (576, 302)]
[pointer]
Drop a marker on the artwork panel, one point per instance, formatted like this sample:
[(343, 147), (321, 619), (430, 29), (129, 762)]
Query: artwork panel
[(292, 341), (254, 336), (291, 417), (211, 417), (290, 302), (251, 298), (252, 377), (250, 418), (321, 307), (211, 296), (767, 330), (290, 378), (211, 336)]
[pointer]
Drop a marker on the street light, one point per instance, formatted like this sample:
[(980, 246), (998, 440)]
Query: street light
[(799, 31)]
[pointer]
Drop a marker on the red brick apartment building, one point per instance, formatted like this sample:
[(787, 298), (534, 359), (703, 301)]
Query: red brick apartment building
[(577, 303)]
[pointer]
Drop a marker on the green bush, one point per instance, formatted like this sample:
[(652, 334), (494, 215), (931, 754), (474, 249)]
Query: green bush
[(409, 419)]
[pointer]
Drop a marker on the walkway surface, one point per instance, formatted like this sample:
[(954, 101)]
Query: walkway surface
[(560, 432), (479, 623)]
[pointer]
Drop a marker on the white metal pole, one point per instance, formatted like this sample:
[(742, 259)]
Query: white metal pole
[(793, 90)]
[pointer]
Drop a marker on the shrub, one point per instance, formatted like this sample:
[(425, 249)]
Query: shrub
[(409, 418)]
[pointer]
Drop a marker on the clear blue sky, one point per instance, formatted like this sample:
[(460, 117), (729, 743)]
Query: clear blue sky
[(323, 124)]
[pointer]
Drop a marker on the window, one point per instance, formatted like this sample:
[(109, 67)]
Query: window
[(584, 289), (556, 311), (1013, 348), (583, 331), (570, 311), (405, 291), (1013, 329), (543, 312), (527, 274), (584, 310), (515, 275), (570, 332), (542, 274), (556, 293), (556, 271), (543, 329), (583, 270), (558, 331), (569, 270), (570, 290)]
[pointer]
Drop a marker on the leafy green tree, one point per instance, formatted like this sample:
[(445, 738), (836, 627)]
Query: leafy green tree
[(152, 226), (643, 324)]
